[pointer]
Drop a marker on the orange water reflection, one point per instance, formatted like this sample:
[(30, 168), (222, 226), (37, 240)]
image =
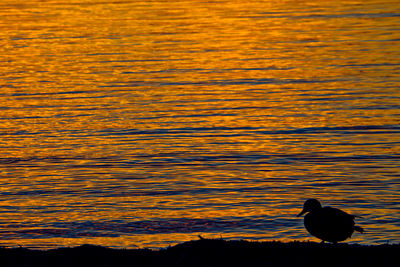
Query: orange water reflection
[(130, 111)]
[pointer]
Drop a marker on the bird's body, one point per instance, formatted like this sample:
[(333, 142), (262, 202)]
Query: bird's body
[(328, 224)]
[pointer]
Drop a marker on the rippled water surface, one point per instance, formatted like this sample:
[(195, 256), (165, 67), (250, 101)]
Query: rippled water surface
[(146, 123)]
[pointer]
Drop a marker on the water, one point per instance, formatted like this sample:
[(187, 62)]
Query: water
[(146, 123)]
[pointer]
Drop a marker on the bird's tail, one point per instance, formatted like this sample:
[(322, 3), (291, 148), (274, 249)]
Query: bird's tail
[(358, 229)]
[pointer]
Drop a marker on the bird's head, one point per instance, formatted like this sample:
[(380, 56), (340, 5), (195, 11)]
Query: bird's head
[(310, 205)]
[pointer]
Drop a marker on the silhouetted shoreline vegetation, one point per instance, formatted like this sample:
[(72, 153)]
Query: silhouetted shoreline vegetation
[(208, 252)]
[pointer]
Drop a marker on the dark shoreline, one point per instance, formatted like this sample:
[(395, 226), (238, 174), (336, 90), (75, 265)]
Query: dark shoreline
[(208, 252)]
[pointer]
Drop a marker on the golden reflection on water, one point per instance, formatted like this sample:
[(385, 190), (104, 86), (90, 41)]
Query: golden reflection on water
[(135, 110)]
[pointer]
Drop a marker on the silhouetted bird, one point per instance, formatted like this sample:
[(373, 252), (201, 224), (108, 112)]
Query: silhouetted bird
[(326, 223)]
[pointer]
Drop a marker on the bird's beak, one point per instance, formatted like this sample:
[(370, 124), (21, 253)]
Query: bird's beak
[(301, 213)]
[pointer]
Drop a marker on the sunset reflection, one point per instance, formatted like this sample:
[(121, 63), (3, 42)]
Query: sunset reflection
[(144, 124)]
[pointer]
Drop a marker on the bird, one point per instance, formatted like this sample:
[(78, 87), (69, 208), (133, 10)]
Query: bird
[(327, 223)]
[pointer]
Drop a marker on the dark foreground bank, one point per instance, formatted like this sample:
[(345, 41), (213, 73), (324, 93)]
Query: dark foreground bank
[(209, 252)]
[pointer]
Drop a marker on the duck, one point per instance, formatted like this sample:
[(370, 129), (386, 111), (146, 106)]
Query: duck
[(327, 223)]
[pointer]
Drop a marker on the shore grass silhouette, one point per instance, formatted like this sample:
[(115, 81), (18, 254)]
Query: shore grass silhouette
[(208, 252)]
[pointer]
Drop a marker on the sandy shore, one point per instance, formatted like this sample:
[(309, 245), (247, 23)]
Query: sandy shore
[(208, 252)]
